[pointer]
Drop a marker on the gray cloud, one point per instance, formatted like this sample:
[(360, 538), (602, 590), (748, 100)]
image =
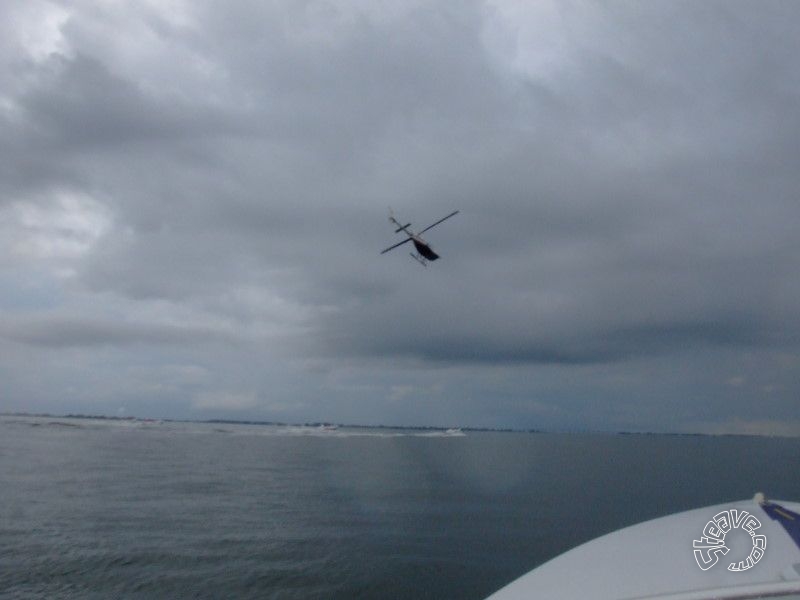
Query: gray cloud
[(55, 332), (626, 176)]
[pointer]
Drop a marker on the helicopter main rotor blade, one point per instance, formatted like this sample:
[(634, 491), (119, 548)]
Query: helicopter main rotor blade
[(439, 221), (396, 245)]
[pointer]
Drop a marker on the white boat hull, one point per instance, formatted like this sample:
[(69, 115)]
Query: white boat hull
[(656, 559)]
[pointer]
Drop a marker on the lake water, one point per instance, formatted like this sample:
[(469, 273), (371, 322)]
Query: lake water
[(124, 509)]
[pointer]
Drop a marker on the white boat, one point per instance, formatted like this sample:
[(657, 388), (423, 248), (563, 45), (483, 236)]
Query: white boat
[(743, 549)]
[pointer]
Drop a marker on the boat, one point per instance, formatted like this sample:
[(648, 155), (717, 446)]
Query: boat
[(741, 549)]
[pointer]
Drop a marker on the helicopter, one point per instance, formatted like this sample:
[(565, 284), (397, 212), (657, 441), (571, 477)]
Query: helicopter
[(424, 251)]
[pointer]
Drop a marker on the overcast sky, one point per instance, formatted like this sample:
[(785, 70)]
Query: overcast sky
[(194, 195)]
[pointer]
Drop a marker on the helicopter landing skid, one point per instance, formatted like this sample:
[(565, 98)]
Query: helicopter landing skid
[(419, 259)]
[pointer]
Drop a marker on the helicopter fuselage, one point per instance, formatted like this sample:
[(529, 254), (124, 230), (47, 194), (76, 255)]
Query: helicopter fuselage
[(424, 249)]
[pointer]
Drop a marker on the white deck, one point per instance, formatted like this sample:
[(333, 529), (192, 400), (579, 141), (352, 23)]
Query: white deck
[(656, 559)]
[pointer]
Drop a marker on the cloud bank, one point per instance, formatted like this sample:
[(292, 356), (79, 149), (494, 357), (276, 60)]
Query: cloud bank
[(192, 188)]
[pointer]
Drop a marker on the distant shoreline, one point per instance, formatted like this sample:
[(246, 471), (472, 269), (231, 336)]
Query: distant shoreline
[(379, 426)]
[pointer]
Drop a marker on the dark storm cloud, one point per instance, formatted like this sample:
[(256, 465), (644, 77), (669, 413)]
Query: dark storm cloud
[(597, 347)]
